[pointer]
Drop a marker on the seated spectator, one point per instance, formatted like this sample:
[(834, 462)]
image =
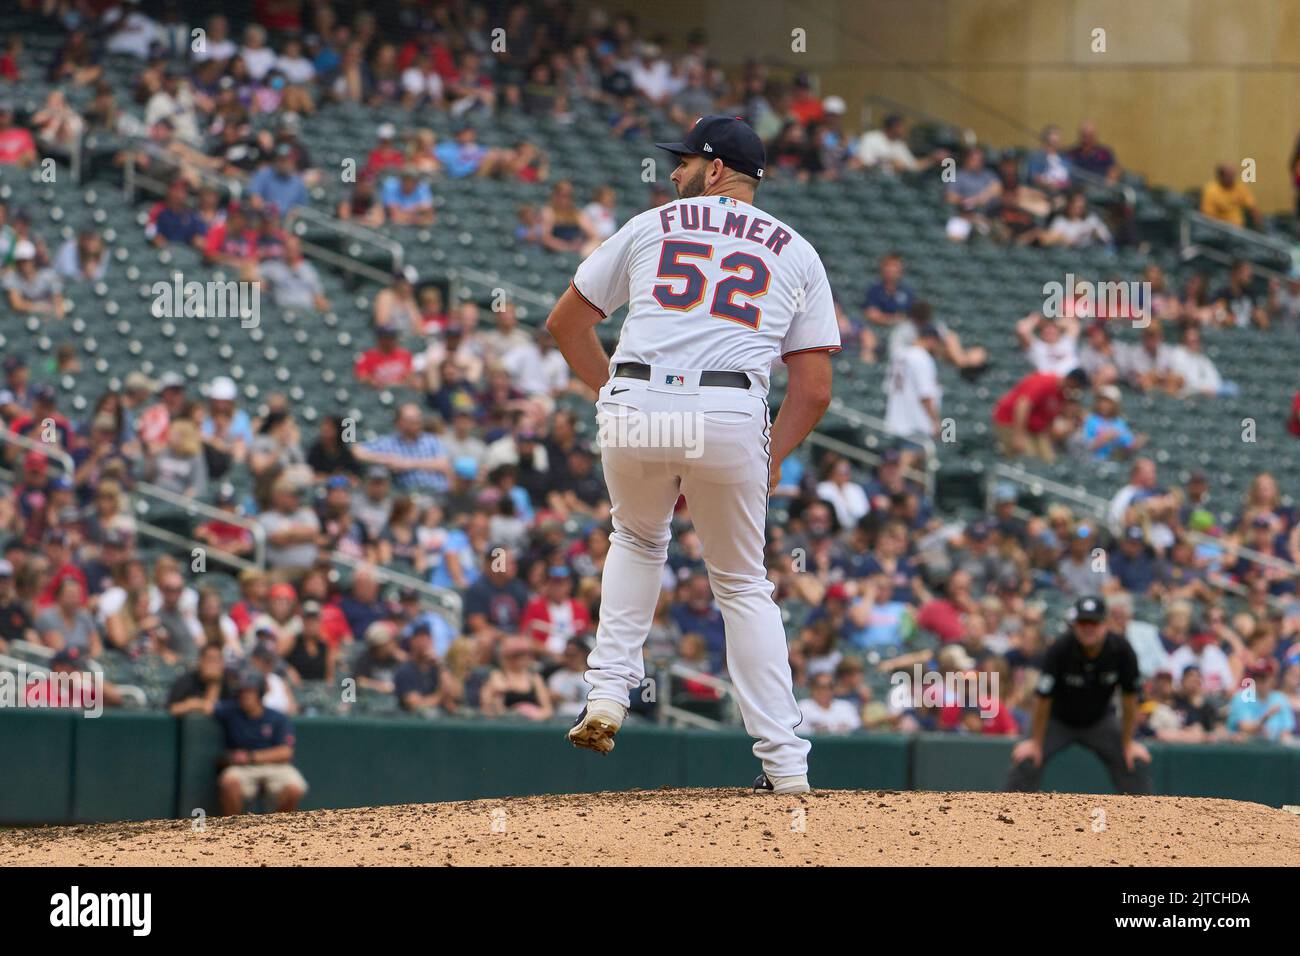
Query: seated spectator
[(842, 493), (180, 467), (1194, 369), (233, 243), (1099, 356), (414, 455), (407, 200), (385, 156), (33, 290), (432, 318), (1076, 227), (515, 687), (295, 283), (1105, 433), (1135, 566), (1149, 366), (601, 212), (278, 187), (363, 206), (291, 530), (627, 121), (1048, 169), (421, 683), (69, 684), (76, 63), (258, 744), (464, 156), (330, 454), (1091, 156), (554, 617), (396, 306), (17, 147), (57, 124), (565, 227), (972, 194), (376, 666), (568, 684), (1027, 419), (199, 691), (1238, 303), (66, 624), (889, 298), (1019, 208), (83, 258), (824, 713), (1262, 711), (1228, 199), (885, 150)]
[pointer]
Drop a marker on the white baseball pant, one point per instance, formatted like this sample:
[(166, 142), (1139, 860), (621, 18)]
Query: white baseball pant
[(710, 444)]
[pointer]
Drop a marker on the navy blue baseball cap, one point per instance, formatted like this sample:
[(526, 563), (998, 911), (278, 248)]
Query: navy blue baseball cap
[(728, 138)]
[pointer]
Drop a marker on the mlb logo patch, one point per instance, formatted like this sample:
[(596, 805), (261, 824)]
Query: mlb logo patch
[(675, 380), (727, 200)]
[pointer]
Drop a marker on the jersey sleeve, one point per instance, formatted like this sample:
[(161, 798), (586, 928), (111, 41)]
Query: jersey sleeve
[(603, 278), (814, 327)]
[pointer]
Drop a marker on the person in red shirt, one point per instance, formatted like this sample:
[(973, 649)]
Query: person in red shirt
[(1025, 418), (253, 590), (17, 147), (805, 106), (223, 535), (1293, 422), (553, 617), (387, 364), (386, 155)]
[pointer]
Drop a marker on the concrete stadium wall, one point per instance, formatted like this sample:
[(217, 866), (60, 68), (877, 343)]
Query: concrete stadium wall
[(63, 768), (1183, 84)]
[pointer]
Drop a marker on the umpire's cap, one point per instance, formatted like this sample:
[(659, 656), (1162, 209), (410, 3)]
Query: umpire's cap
[(1089, 609), (728, 138)]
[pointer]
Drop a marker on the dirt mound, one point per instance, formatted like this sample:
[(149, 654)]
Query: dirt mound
[(703, 827)]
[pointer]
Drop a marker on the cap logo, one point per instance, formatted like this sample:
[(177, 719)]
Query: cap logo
[(760, 174), (707, 148)]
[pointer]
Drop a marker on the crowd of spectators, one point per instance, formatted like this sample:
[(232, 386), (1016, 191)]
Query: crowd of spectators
[(484, 485)]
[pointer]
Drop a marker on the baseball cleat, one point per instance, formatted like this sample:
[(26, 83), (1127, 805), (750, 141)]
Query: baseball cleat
[(596, 726), (781, 785)]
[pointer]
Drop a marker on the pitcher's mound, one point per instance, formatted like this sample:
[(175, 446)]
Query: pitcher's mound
[(704, 827)]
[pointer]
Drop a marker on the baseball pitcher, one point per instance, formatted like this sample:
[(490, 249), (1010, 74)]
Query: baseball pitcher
[(716, 290)]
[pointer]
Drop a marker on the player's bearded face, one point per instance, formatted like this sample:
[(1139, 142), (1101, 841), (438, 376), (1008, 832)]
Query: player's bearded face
[(692, 184)]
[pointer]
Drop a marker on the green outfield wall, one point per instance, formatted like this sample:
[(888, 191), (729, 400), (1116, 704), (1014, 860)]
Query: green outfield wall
[(61, 767)]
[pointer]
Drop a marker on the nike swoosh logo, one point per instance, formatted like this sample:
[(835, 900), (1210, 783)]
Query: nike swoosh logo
[(618, 391)]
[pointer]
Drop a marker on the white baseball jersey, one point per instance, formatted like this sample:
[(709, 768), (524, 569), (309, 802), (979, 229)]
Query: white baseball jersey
[(912, 377), (711, 283)]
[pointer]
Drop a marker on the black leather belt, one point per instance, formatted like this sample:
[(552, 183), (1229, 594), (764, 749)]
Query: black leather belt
[(723, 379)]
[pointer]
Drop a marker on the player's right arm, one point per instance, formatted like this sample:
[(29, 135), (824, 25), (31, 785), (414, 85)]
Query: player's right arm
[(599, 288)]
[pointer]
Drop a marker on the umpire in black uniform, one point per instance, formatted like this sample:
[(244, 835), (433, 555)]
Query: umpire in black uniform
[(1081, 671)]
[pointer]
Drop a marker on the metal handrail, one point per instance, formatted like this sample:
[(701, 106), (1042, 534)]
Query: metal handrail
[(208, 511), (1188, 253), (869, 458), (52, 452), (491, 280), (354, 231), (669, 713), (443, 601), (1190, 218), (865, 420)]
